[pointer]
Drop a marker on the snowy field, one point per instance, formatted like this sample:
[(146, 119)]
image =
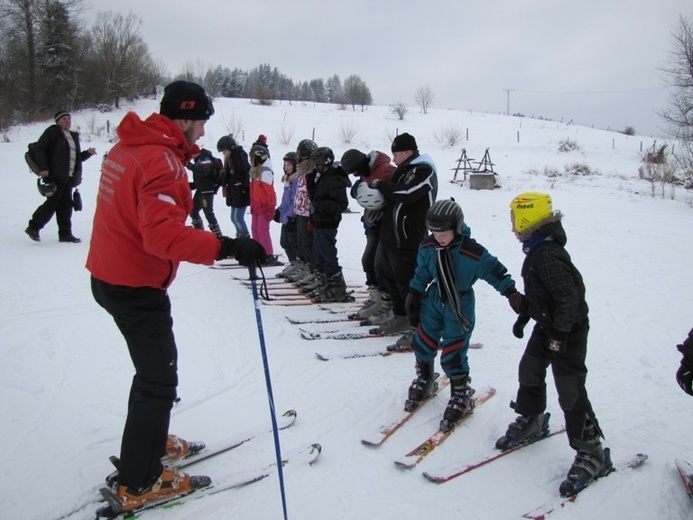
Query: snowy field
[(65, 372)]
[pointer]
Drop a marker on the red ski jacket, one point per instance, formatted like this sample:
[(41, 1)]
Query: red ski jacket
[(139, 235)]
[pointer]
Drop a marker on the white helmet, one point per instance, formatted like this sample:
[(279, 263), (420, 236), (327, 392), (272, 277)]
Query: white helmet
[(368, 197)]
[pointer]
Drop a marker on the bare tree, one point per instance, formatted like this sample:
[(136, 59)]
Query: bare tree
[(424, 98), (123, 55), (399, 109), (356, 92), (678, 115)]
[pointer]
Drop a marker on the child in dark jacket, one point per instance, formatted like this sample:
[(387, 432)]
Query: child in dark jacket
[(441, 305), (327, 187), (555, 299), (206, 170)]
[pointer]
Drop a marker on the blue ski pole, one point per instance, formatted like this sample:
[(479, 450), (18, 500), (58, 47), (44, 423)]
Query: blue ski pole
[(268, 380)]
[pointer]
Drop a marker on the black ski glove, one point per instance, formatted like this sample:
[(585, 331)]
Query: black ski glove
[(684, 375), (516, 300), (246, 250), (413, 306), (519, 326)]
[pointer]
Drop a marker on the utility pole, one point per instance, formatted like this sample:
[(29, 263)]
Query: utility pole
[(508, 91)]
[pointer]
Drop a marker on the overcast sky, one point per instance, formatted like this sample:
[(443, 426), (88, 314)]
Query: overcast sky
[(594, 62)]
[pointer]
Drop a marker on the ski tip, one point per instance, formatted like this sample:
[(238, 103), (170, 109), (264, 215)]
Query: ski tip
[(431, 478), (476, 345), (290, 413), (321, 357)]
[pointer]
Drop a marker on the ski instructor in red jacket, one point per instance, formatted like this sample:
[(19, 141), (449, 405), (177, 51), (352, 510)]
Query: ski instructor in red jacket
[(138, 240)]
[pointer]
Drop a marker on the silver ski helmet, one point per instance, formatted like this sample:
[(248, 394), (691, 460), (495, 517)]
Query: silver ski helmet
[(445, 215), (367, 197)]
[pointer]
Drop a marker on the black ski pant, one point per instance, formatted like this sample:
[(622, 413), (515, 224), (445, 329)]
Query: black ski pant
[(204, 201), (60, 205), (369, 259), (569, 374), (143, 316), (397, 267)]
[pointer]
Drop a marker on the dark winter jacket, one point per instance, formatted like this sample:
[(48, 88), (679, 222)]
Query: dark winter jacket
[(328, 196), (53, 154), (236, 179), (554, 290), (410, 191), (206, 172)]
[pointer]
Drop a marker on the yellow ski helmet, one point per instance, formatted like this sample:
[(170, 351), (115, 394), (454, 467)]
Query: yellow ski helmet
[(530, 208)]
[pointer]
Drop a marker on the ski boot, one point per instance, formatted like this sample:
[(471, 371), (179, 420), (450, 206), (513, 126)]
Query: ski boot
[(591, 462), (289, 270), (461, 402), (371, 306), (334, 291), (197, 223), (403, 344), (178, 449), (383, 314), (423, 387), (391, 326), (172, 483), (317, 281), (214, 228), (525, 430)]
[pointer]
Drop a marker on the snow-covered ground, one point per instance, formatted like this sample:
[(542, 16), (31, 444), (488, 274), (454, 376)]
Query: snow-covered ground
[(65, 372)]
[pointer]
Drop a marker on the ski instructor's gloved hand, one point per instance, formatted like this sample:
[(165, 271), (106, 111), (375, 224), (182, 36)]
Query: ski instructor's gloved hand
[(413, 306), (246, 250)]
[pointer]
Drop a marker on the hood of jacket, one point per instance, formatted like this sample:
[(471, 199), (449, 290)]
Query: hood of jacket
[(156, 129)]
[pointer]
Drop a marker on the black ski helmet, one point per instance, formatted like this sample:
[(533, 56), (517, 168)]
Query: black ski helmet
[(290, 157), (355, 162), (226, 142), (46, 188), (322, 157), (304, 149), (445, 215)]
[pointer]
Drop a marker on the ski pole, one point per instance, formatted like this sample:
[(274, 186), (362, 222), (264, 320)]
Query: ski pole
[(268, 380)]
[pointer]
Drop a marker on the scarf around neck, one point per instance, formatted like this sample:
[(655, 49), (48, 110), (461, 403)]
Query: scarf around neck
[(447, 285)]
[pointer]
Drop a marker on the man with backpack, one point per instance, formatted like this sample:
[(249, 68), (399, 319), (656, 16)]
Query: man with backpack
[(58, 157)]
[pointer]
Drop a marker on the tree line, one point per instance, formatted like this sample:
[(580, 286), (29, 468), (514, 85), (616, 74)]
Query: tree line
[(49, 60)]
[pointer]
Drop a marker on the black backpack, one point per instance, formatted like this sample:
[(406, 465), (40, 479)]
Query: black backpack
[(30, 158)]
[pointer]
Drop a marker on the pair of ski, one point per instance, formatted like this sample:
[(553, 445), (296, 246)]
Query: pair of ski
[(427, 447), (360, 352), (238, 479)]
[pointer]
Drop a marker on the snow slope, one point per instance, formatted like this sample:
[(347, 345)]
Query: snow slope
[(65, 372)]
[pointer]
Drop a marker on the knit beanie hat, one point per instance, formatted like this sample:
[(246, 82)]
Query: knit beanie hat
[(186, 100), (404, 142), (61, 113)]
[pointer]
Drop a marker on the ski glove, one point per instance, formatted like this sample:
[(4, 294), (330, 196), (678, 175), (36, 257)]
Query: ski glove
[(246, 250), (516, 300), (413, 306), (519, 326), (684, 375)]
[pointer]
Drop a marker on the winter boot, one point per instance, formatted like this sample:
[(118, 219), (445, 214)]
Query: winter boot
[(525, 429), (383, 314), (403, 344), (271, 261), (214, 228), (591, 462), (178, 449), (423, 387), (171, 483), (197, 223), (392, 326), (372, 305), (461, 402), (33, 234)]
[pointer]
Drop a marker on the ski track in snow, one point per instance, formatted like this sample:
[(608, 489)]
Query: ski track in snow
[(65, 372)]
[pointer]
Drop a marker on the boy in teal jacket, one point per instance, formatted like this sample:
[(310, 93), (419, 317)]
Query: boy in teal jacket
[(441, 302)]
